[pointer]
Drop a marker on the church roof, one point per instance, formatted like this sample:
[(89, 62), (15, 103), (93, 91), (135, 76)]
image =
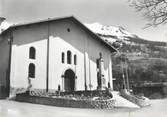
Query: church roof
[(72, 18)]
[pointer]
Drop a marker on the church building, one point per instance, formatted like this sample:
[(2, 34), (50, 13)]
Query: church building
[(55, 54)]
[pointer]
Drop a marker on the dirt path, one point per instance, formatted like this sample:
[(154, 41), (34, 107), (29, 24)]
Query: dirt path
[(18, 109)]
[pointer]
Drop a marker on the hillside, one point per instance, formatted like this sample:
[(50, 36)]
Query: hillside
[(139, 59)]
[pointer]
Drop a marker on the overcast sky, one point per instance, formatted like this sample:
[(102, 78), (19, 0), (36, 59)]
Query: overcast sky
[(107, 12)]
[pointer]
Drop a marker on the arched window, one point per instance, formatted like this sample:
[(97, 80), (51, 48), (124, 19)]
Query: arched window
[(31, 70), (75, 59), (62, 57), (68, 57), (32, 53)]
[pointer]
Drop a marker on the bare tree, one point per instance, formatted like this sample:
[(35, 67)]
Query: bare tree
[(155, 11)]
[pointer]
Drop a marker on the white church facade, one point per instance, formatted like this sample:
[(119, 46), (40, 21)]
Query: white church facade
[(55, 54)]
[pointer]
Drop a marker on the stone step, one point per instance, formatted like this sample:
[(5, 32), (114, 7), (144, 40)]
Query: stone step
[(122, 102)]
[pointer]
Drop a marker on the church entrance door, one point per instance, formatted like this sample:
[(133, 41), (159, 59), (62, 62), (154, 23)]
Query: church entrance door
[(69, 80)]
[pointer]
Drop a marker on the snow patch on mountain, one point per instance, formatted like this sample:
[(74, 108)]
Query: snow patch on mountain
[(110, 33)]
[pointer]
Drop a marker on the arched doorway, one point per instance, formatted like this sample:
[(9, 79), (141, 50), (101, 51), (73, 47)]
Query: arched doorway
[(69, 80)]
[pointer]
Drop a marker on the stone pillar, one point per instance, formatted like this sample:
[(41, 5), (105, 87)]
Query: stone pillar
[(101, 76)]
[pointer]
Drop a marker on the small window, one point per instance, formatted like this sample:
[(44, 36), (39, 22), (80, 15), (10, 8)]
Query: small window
[(31, 70), (32, 53), (75, 59), (62, 57), (68, 57), (68, 29)]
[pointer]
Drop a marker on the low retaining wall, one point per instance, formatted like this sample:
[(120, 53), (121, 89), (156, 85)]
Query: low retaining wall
[(64, 102)]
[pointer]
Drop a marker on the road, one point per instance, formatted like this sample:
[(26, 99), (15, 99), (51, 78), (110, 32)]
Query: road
[(19, 109)]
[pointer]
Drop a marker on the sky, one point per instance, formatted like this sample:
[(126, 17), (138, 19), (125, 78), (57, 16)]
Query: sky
[(106, 12)]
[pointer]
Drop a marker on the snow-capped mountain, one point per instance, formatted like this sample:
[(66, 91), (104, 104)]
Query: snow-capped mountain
[(110, 33)]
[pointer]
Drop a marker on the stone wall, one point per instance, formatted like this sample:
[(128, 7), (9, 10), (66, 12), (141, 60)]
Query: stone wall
[(65, 102)]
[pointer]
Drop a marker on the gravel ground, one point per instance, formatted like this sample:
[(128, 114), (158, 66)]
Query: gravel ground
[(18, 109)]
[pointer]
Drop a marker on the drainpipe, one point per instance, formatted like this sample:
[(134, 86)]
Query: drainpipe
[(109, 80), (10, 42), (75, 73), (85, 71), (90, 82), (47, 60)]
